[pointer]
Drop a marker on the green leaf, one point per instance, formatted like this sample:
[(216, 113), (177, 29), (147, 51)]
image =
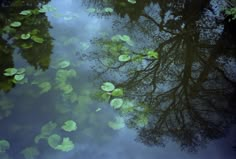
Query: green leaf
[(26, 46), (20, 71), (124, 58), (25, 36), (132, 1), (46, 130), (109, 10), (152, 54), (116, 103), (25, 12), (98, 109), (91, 10), (69, 126), (15, 24), (37, 39), (66, 145), (10, 71), (45, 87), (117, 124), (125, 38), (107, 86), (118, 92), (54, 140), (64, 64), (4, 145), (19, 77), (30, 152)]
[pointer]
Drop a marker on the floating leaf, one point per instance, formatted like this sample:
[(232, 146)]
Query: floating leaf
[(45, 87), (30, 152), (124, 58), (69, 126), (20, 71), (107, 86), (116, 103), (25, 36), (118, 92), (152, 54), (25, 12), (37, 39), (64, 64), (10, 71), (109, 10), (125, 38), (15, 24), (54, 140), (19, 77), (26, 46), (117, 124), (66, 145), (98, 109), (91, 10), (132, 1), (4, 145)]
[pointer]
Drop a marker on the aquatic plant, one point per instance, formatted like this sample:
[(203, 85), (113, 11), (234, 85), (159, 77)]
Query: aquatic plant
[(69, 126), (30, 152), (4, 146)]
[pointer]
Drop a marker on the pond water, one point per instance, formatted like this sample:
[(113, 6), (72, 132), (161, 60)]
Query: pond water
[(103, 79)]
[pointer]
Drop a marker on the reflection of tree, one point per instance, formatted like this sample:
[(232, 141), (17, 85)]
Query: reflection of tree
[(188, 88), (39, 54)]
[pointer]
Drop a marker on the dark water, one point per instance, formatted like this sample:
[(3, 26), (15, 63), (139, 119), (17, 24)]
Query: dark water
[(174, 61)]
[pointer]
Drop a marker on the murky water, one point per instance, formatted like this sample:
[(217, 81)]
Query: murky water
[(116, 79)]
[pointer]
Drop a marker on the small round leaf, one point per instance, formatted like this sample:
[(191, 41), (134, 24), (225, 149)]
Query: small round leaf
[(116, 103), (25, 36), (107, 86), (124, 58)]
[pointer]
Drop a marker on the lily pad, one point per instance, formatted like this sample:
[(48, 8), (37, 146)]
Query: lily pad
[(124, 58), (54, 140), (132, 1), (124, 38), (116, 103), (69, 126), (98, 109), (45, 87), (10, 71), (117, 124), (20, 71), (25, 12), (25, 36), (4, 145), (152, 54), (64, 64), (30, 152), (118, 92), (26, 46), (108, 10), (37, 39), (66, 145), (19, 77), (15, 24), (107, 86)]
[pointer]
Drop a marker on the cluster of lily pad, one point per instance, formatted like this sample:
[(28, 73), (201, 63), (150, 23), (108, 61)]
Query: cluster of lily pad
[(54, 140), (17, 74)]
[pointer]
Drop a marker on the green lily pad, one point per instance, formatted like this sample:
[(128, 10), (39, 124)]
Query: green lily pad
[(45, 87), (30, 152), (54, 140), (19, 77), (132, 1), (116, 103), (10, 71), (124, 38), (124, 58), (108, 10), (107, 86), (25, 12), (15, 24), (98, 109), (117, 124), (118, 92), (4, 145), (152, 54), (20, 71), (69, 126), (37, 39), (46, 130), (26, 46), (64, 64), (25, 36), (66, 145), (91, 10)]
